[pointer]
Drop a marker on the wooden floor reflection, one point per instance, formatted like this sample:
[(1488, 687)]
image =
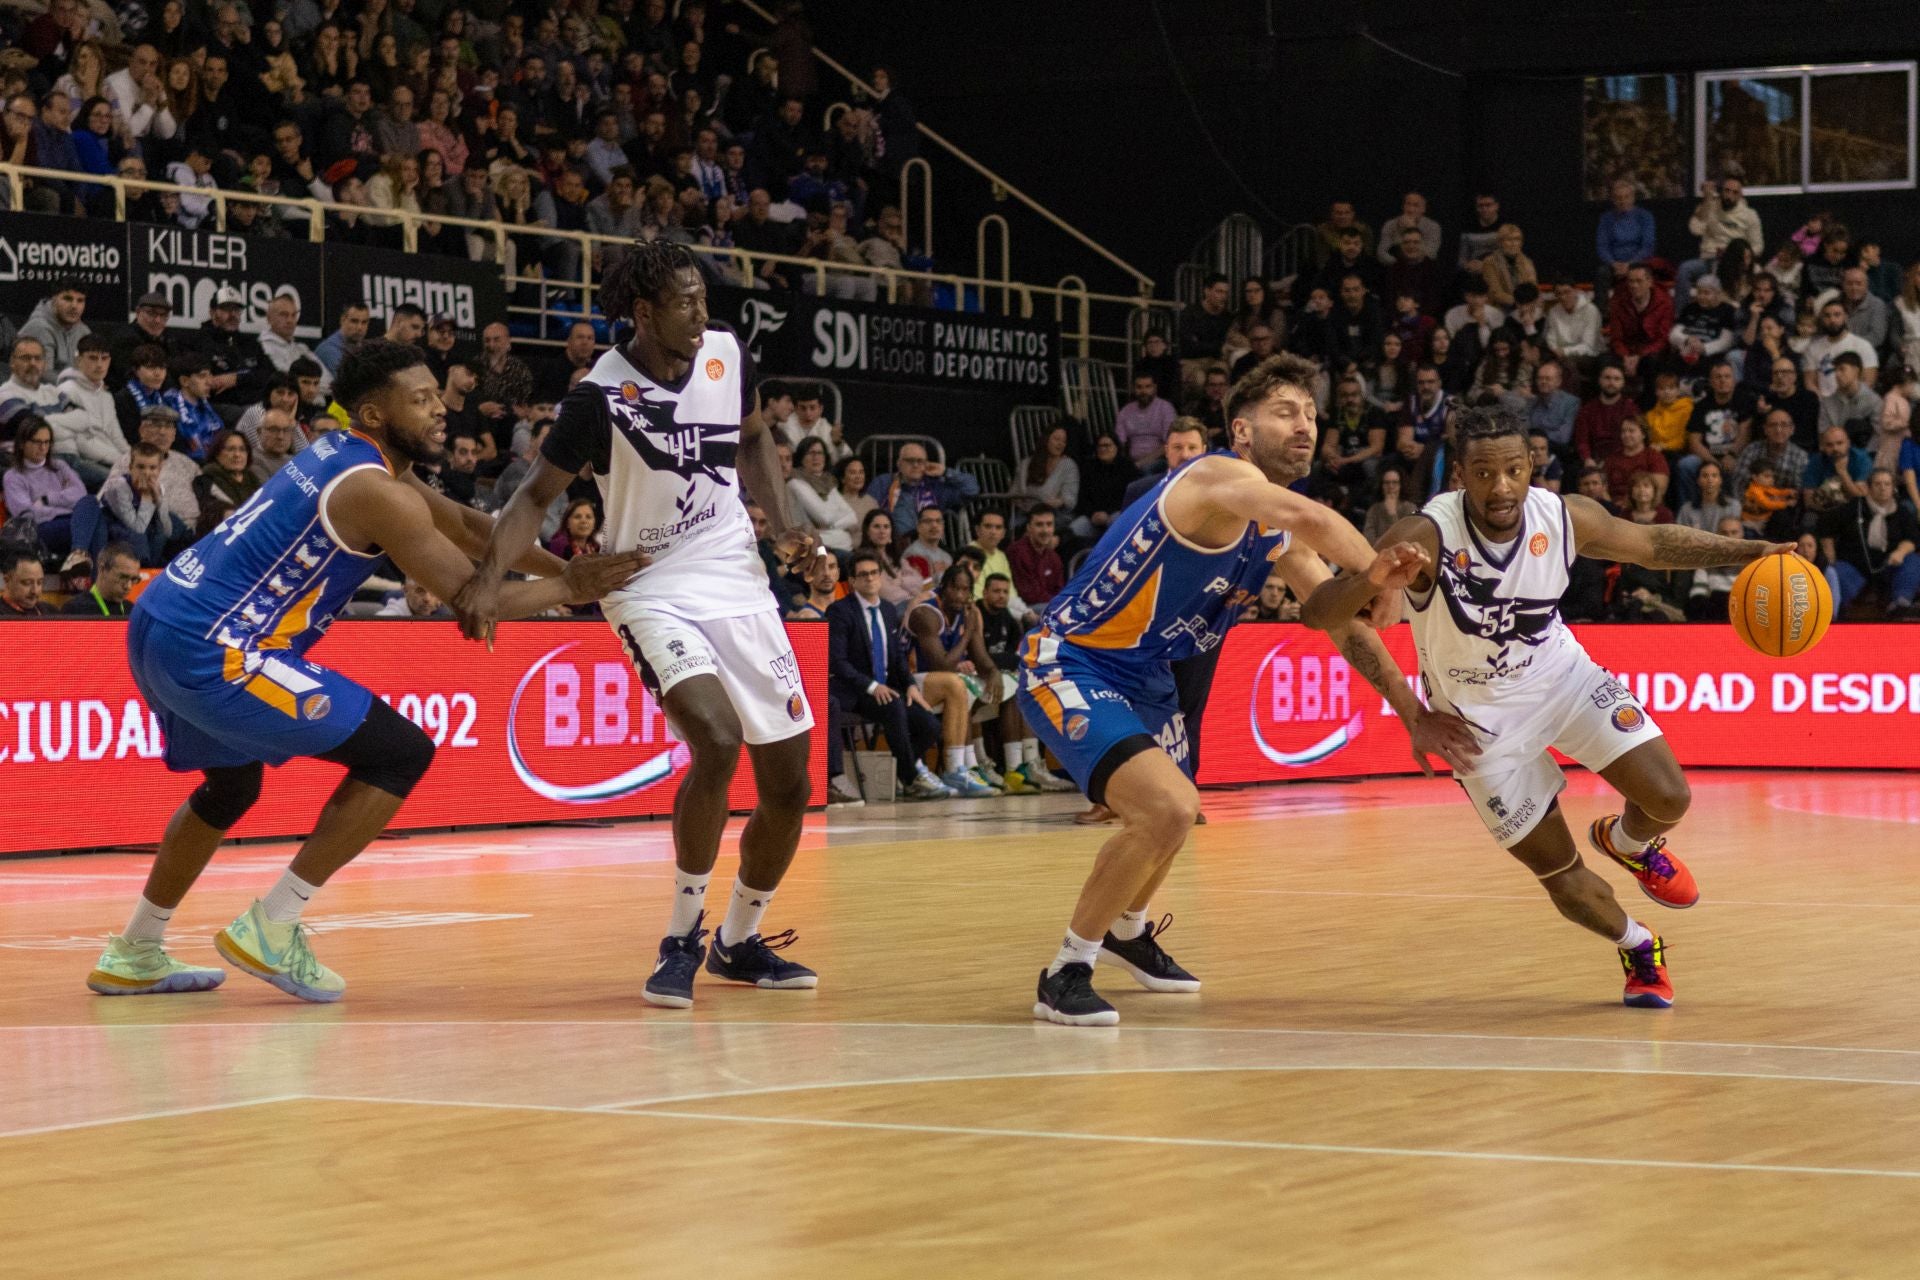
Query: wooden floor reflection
[(1403, 1062)]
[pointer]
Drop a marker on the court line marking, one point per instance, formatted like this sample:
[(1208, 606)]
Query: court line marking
[(166, 1114), (1024, 1027), (1239, 1144)]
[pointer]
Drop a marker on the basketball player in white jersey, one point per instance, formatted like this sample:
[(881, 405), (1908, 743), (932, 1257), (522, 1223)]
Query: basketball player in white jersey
[(1485, 567), (667, 424)]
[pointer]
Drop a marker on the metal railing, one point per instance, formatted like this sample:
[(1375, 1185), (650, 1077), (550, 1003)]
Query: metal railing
[(1293, 250), (520, 250)]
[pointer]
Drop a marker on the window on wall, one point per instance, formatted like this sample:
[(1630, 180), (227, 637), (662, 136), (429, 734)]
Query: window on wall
[(1636, 127), (1795, 129)]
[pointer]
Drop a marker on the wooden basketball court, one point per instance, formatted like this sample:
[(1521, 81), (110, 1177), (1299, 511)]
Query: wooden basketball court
[(1403, 1063)]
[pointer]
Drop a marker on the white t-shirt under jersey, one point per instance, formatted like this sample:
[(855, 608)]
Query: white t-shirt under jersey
[(1492, 644), (663, 456)]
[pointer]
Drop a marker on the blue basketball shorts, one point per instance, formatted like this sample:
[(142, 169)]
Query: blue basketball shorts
[(1094, 713)]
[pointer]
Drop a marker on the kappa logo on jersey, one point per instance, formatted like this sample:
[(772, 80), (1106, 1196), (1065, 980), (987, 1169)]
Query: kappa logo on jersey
[(686, 449)]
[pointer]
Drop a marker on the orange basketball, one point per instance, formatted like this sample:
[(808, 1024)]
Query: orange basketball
[(1780, 605)]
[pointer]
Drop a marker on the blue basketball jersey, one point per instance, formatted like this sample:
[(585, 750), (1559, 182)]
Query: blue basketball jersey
[(1145, 596), (272, 575)]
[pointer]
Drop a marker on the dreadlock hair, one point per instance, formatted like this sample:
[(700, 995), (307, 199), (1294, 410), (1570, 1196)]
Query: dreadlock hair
[(364, 372), (646, 270), (1492, 421), (1261, 381)]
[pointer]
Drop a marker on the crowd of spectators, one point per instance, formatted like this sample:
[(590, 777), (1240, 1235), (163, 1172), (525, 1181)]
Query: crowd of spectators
[(613, 116)]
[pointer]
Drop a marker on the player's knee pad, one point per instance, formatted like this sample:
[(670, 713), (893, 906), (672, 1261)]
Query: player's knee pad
[(388, 751), (226, 795)]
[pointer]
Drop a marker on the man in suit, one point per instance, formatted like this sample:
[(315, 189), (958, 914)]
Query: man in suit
[(868, 679)]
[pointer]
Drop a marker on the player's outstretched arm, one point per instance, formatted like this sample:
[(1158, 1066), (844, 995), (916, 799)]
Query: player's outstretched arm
[(1406, 557), (515, 530), (1657, 546), (1242, 493), (472, 531)]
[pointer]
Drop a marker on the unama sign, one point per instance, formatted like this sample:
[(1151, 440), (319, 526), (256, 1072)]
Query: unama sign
[(553, 724)]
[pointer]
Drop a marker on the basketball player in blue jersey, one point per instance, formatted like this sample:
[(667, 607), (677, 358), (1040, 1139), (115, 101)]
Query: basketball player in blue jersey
[(218, 646), (1165, 582), (1484, 568), (668, 425)]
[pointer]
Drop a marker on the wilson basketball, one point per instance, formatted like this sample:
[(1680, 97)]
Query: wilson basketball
[(1780, 605)]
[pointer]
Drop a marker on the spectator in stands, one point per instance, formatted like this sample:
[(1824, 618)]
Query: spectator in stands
[(556, 376), (278, 440), (1785, 391), (1853, 406), (21, 577), (86, 435), (1355, 326), (278, 345), (1415, 272), (852, 473), (1473, 317), (1424, 421), (1203, 332), (924, 558), (57, 323), (1260, 345), (1157, 361), (1641, 317), (1049, 478), (1141, 424), (822, 575), (1826, 271), (1593, 484), (1504, 368), (809, 420), (579, 531), (868, 678), (1635, 458), (614, 212), (1711, 505), (116, 573), (1392, 506), (1833, 338), (917, 484), (504, 379), (53, 147), (1867, 316), (1835, 474), (1718, 430), (227, 480), (1764, 299), (1668, 416), (1507, 266), (1883, 278), (1104, 483), (1775, 451), (195, 170), (344, 341), (28, 388), (1550, 409), (816, 497), (232, 354), (1705, 328), (989, 539), (142, 389), (1755, 362), (40, 487), (1870, 541), (1211, 407), (876, 539), (1412, 217), (1481, 240), (414, 602), (1352, 259), (1625, 236), (1722, 215), (1596, 428), (159, 427), (1340, 221), (149, 328), (1548, 471), (1186, 441), (1038, 572), (1354, 439), (198, 420), (138, 510)]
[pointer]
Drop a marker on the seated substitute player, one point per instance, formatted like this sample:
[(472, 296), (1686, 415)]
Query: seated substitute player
[(669, 424), (218, 646), (956, 675), (1485, 567), (1171, 574)]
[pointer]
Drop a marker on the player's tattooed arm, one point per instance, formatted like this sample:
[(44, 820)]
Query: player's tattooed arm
[(1657, 546), (1368, 656)]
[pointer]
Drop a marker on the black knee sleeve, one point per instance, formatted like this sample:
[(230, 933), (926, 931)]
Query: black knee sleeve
[(226, 795), (387, 751)]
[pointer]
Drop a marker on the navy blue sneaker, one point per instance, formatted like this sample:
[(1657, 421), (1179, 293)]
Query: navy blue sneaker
[(1147, 961), (1068, 997), (671, 985), (753, 960)]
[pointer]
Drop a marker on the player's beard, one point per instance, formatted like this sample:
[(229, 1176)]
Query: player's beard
[(421, 448)]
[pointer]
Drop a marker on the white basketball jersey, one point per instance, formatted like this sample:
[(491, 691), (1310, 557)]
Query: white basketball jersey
[(1491, 641), (663, 456)]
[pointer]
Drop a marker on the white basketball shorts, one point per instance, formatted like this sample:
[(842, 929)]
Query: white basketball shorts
[(750, 655)]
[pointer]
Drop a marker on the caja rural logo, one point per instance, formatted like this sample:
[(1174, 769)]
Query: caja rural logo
[(571, 722), (1301, 707)]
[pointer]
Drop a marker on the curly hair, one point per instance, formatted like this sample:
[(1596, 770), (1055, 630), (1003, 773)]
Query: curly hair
[(1487, 421), (363, 373), (647, 270)]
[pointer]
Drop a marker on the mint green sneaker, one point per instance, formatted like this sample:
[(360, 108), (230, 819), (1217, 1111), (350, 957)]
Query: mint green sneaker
[(144, 968), (278, 954)]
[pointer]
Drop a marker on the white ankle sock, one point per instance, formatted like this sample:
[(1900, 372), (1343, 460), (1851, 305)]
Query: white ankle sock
[(956, 759), (689, 898), (1030, 748), (288, 898), (1015, 756), (744, 912), (149, 922), (1075, 950), (1624, 841), (973, 756), (1635, 935), (1130, 925)]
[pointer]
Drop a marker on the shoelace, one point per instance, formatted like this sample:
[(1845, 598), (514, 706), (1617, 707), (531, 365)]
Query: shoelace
[(1152, 934), (1656, 858), (1643, 963), (753, 943), (302, 964)]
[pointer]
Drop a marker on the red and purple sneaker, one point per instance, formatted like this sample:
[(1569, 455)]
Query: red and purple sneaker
[(1662, 877), (1648, 986)]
